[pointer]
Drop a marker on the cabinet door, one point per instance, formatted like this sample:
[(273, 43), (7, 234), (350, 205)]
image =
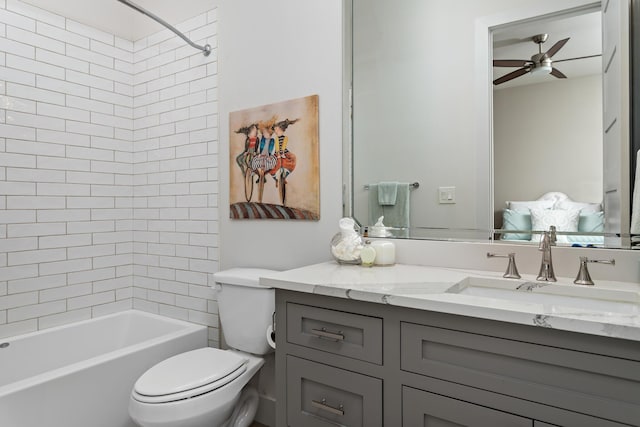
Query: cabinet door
[(320, 396), (425, 409), (583, 382)]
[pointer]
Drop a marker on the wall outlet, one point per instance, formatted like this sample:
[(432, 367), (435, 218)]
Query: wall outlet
[(446, 195)]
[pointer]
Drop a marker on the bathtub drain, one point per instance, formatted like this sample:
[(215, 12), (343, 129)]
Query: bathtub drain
[(4, 345)]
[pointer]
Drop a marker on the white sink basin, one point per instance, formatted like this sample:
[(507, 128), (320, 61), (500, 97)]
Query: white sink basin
[(553, 296)]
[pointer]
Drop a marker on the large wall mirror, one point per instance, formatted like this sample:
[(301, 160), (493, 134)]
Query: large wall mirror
[(461, 128)]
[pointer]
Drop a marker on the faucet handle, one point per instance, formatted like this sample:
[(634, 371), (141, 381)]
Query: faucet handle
[(583, 277), (512, 270)]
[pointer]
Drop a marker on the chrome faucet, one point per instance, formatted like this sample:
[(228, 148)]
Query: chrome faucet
[(512, 270), (584, 278), (546, 273)]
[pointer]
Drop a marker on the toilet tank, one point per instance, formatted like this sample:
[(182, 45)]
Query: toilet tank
[(245, 308)]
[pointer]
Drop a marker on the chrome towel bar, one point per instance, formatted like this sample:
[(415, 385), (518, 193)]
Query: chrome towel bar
[(413, 185)]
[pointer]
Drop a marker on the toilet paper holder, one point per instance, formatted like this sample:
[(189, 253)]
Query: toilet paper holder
[(271, 332), (273, 326)]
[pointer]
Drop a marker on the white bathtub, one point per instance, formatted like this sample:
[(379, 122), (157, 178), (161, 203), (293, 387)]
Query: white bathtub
[(81, 374)]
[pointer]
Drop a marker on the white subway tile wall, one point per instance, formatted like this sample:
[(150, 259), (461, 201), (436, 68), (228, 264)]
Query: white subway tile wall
[(108, 172)]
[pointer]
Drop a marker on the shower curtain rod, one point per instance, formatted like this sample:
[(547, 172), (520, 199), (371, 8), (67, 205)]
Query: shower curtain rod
[(206, 49)]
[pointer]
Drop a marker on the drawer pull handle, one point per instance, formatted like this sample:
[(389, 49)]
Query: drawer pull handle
[(323, 405), (323, 333)]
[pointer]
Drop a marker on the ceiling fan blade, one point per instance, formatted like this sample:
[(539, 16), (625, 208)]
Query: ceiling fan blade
[(578, 57), (556, 47), (510, 62), (512, 75), (557, 73)]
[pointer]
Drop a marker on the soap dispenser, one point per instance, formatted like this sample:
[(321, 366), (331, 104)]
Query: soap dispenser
[(385, 252)]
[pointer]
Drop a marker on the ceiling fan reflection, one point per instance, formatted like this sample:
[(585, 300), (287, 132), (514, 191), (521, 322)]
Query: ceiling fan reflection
[(540, 63)]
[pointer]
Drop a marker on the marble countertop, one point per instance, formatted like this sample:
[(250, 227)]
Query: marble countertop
[(616, 312)]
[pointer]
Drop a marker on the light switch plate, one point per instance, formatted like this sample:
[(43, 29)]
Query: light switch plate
[(446, 195)]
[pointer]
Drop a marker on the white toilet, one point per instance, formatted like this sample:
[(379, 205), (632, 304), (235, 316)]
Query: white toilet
[(206, 387)]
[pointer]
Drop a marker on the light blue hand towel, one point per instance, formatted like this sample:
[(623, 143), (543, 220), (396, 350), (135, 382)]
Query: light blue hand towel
[(387, 193), (394, 215)]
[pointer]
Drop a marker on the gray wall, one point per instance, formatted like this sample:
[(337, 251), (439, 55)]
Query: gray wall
[(548, 137), (270, 52)]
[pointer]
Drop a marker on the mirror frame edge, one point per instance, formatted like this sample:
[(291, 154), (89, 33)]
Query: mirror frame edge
[(347, 108), (634, 77)]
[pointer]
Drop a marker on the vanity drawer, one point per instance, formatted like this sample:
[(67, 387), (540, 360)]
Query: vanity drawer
[(319, 395), (347, 334), (598, 385), (423, 409)]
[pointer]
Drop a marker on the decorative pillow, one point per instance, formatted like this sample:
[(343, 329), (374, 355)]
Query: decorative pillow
[(531, 204), (568, 205), (591, 222), (556, 196), (542, 219), (515, 220)]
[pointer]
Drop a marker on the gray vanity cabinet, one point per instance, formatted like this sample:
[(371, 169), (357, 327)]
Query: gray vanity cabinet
[(319, 395), (424, 409), (583, 382), (347, 334), (342, 362)]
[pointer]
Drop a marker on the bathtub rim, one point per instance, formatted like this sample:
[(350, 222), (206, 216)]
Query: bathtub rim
[(189, 328)]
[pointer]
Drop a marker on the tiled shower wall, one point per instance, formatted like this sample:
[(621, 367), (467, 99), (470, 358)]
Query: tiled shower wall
[(108, 179), (175, 189), (66, 194)]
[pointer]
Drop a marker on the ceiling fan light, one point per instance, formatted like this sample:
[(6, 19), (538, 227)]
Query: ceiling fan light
[(541, 69)]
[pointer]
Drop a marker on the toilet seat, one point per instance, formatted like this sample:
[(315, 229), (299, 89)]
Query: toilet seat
[(188, 375)]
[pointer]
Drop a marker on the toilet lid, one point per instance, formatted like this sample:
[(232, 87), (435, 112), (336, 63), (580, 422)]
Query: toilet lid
[(190, 370)]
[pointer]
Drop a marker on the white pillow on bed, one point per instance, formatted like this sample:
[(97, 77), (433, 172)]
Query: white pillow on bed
[(581, 206), (564, 220), (530, 204)]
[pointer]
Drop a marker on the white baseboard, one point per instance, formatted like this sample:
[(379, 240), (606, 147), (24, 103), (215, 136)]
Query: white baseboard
[(266, 411)]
